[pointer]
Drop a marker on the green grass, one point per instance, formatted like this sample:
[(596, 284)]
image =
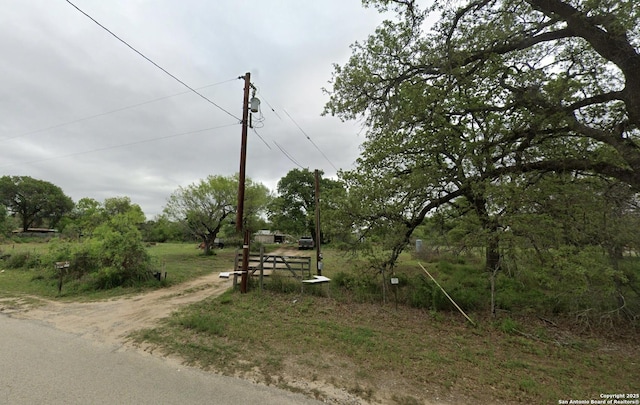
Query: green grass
[(366, 347), (181, 262), (321, 337)]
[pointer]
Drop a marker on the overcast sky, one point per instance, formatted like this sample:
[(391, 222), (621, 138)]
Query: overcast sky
[(85, 112)]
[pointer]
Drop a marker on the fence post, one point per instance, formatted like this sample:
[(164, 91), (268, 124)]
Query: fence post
[(261, 267)]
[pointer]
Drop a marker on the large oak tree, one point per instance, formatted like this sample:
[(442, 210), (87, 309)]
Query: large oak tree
[(293, 210), (497, 92), (36, 202)]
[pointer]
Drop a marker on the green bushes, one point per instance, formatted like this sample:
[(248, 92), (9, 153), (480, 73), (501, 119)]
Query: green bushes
[(21, 260), (114, 256), (363, 286), (566, 281)]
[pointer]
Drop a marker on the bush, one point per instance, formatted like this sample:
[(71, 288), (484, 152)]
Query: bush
[(123, 258), (23, 260), (421, 294), (365, 287), (107, 278), (114, 256)]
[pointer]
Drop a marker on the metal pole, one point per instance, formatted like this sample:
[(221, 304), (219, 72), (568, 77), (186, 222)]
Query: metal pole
[(245, 262), (317, 197)]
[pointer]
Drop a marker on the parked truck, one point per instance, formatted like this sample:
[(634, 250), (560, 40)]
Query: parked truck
[(306, 242)]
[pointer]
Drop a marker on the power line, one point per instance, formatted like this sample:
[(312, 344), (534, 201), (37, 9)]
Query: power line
[(119, 146), (152, 62), (261, 138), (271, 107), (62, 124), (288, 155), (310, 140), (284, 152)]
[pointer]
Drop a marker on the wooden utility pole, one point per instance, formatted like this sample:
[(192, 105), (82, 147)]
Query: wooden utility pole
[(240, 224), (317, 198)]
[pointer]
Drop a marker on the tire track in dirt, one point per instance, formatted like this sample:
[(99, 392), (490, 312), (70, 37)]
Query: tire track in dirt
[(112, 320)]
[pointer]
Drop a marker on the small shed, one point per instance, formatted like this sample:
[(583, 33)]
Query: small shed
[(268, 237)]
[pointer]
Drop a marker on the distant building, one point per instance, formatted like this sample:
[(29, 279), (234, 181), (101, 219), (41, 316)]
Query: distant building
[(268, 237), (34, 232)]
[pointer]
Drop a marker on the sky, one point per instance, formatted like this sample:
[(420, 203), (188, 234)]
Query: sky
[(82, 110)]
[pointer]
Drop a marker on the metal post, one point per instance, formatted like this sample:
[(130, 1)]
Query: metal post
[(261, 268), (318, 235), (245, 262)]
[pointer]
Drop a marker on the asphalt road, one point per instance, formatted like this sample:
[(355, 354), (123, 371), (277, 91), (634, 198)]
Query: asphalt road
[(42, 365)]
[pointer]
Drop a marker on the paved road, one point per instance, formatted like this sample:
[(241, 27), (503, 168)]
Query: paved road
[(42, 365)]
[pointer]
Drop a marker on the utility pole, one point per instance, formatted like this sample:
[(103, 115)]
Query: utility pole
[(317, 198), (240, 224)]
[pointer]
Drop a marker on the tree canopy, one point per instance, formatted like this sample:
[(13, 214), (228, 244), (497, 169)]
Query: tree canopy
[(497, 90), (531, 75), (293, 210), (88, 214), (204, 207), (36, 202), (497, 111)]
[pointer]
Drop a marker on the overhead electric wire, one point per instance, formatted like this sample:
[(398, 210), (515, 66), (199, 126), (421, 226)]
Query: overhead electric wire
[(284, 151), (152, 62), (261, 138), (271, 107), (310, 140), (288, 155), (118, 146), (62, 124)]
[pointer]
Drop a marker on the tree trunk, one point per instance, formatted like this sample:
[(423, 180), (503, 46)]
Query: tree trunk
[(492, 255), (493, 258)]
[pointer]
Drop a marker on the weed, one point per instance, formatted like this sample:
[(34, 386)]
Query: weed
[(203, 323), (509, 326), (528, 385)]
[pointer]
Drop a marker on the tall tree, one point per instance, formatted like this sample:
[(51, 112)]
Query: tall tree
[(559, 70), (293, 210), (498, 88), (204, 207), (122, 205), (4, 221), (36, 202), (88, 214)]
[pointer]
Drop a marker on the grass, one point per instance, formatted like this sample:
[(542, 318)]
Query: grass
[(181, 262), (318, 338), (406, 355)]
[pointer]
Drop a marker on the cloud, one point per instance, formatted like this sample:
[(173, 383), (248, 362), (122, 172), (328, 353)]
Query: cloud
[(83, 111)]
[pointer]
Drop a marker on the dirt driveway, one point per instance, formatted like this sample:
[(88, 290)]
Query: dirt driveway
[(111, 321)]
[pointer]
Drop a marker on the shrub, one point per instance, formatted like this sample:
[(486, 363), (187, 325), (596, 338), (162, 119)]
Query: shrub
[(363, 286), (22, 260), (421, 293), (107, 278)]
